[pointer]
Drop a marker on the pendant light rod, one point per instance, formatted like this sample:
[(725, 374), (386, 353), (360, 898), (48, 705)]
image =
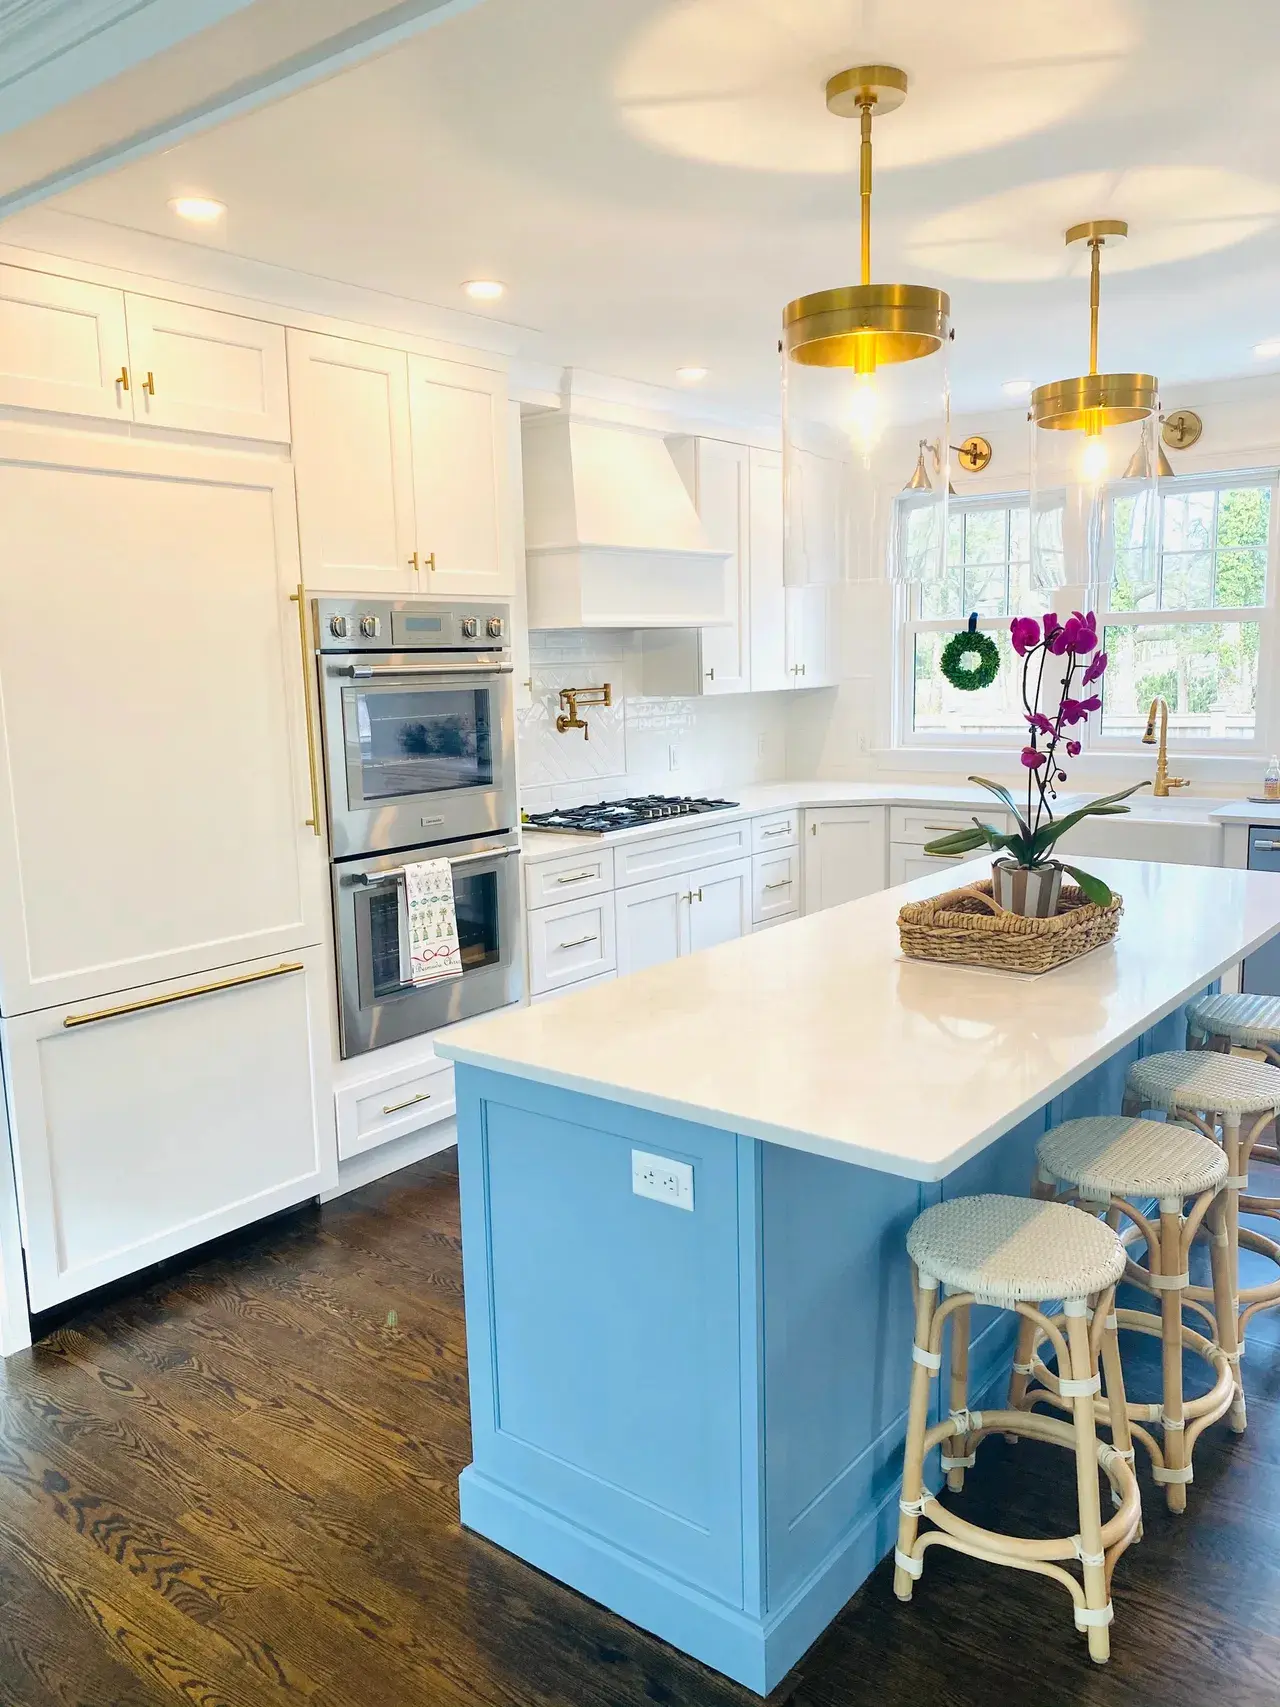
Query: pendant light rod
[(1092, 402), (1095, 297), (864, 177)]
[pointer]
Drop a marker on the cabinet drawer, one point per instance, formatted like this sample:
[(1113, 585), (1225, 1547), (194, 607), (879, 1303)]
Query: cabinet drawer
[(570, 942), (375, 1111), (777, 830), (568, 879), (570, 989), (775, 885), (668, 856), (907, 860), (921, 824), (768, 924)]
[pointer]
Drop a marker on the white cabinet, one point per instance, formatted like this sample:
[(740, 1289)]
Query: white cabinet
[(814, 551), (906, 862), (207, 372), (458, 421), (775, 885), (385, 1106), (353, 461), (570, 942), (844, 854), (85, 349), (672, 916), (717, 476), (769, 664), (550, 881), (153, 758), (812, 635), (137, 1134), (774, 830), (402, 466)]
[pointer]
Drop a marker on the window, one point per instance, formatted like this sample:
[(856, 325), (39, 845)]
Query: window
[(1193, 629), (988, 570)]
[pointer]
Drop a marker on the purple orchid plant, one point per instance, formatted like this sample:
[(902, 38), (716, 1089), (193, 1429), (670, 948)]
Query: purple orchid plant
[(1075, 642)]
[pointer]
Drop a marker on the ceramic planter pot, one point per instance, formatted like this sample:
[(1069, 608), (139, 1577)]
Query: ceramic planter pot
[(1032, 893)]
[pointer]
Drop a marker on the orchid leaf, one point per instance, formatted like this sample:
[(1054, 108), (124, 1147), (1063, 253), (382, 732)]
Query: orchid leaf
[(957, 842), (1093, 888), (1105, 807), (1002, 793)]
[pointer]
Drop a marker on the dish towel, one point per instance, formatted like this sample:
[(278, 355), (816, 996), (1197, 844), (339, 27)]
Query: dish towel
[(429, 949)]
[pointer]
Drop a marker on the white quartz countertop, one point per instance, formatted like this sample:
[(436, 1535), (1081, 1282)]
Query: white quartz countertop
[(820, 1036)]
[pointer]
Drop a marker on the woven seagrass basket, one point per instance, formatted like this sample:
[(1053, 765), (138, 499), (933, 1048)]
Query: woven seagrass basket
[(968, 928)]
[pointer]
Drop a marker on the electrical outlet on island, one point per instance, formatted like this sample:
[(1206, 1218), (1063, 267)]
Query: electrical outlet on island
[(662, 1179)]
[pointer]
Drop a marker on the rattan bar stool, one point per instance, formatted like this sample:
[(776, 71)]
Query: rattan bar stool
[(1013, 1253), (1230, 1023), (1111, 1165), (1234, 1099)]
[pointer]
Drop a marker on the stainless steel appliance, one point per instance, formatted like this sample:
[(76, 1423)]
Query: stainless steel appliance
[(609, 815), (419, 756), (417, 721), (374, 1007)]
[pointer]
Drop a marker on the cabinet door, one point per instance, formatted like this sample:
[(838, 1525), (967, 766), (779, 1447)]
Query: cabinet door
[(721, 906), (352, 457), (723, 506), (153, 758), (844, 855), (63, 346), (138, 1135), (652, 923), (206, 372), (811, 636), (459, 428), (769, 664), (813, 555)]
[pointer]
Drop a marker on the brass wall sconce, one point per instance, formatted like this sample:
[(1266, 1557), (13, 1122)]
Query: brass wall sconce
[(1181, 429), (974, 454), (572, 698)]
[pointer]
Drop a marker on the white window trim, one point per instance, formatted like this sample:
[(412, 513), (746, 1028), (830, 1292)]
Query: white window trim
[(909, 741)]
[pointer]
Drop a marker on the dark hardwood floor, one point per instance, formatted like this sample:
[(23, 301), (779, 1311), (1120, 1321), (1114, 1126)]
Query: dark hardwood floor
[(239, 1487)]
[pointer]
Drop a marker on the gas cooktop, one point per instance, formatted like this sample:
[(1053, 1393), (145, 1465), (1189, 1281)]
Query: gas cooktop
[(609, 815)]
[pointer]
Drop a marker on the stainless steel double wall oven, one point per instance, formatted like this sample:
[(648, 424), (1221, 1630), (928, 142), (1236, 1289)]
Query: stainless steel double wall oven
[(419, 755)]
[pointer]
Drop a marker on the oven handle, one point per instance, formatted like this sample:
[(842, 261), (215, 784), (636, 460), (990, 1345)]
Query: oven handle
[(371, 672), (367, 878)]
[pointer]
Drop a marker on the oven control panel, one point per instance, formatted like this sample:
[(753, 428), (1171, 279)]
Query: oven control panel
[(410, 625)]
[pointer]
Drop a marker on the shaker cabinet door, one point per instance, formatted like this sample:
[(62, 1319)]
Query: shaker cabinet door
[(206, 372), (458, 416), (721, 905), (63, 346), (138, 1134), (652, 923), (724, 510), (769, 663), (844, 855), (353, 460)]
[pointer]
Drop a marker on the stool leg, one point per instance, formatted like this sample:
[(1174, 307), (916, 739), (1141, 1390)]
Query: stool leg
[(1094, 1565), (1174, 1429), (1021, 1375), (917, 1423), (1236, 1167), (1113, 1381), (1225, 1304), (959, 1391), (1130, 1105)]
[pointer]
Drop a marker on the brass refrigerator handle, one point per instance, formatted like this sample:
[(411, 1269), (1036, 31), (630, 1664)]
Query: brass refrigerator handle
[(182, 995), (300, 599)]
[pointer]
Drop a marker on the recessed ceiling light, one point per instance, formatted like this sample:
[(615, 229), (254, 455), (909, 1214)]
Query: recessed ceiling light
[(690, 375), (1267, 351), (200, 210), (1016, 387), (484, 290)]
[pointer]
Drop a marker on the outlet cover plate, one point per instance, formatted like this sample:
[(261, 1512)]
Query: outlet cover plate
[(662, 1179)]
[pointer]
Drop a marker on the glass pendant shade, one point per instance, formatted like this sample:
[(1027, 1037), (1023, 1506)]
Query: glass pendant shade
[(864, 399), (1095, 462)]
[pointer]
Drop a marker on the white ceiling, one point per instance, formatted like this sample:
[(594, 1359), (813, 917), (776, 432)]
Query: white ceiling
[(654, 179)]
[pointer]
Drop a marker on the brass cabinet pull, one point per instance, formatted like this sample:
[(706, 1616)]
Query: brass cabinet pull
[(577, 942), (429, 562), (122, 379), (692, 895), (395, 1107), (711, 674), (413, 563), (182, 995), (150, 386), (784, 884), (581, 877), (300, 599), (782, 830)]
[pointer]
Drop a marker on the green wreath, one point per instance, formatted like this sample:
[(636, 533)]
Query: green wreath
[(970, 660)]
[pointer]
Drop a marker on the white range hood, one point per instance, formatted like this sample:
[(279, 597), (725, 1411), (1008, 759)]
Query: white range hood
[(612, 539)]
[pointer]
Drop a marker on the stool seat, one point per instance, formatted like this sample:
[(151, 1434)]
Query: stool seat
[(1112, 1156), (1249, 1022), (1227, 1084), (1007, 1250)]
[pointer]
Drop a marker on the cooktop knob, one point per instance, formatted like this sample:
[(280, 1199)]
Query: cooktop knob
[(494, 625), (338, 627), (370, 627), (470, 628)]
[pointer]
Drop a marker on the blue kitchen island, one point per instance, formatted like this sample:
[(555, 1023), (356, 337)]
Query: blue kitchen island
[(685, 1197)]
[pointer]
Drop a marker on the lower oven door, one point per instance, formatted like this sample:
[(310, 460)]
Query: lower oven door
[(374, 1007)]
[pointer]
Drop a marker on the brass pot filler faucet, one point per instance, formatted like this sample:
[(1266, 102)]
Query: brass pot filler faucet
[(572, 698)]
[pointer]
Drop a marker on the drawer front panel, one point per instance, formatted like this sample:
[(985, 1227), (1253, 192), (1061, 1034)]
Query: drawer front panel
[(668, 856), (570, 942), (776, 830), (907, 860), (768, 924), (921, 824), (572, 989), (775, 885), (568, 878), (374, 1112)]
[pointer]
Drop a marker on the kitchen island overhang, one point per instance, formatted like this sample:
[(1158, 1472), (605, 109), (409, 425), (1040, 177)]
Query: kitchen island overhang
[(695, 1416)]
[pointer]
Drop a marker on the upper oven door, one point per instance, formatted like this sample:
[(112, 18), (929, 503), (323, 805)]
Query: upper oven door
[(417, 749)]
